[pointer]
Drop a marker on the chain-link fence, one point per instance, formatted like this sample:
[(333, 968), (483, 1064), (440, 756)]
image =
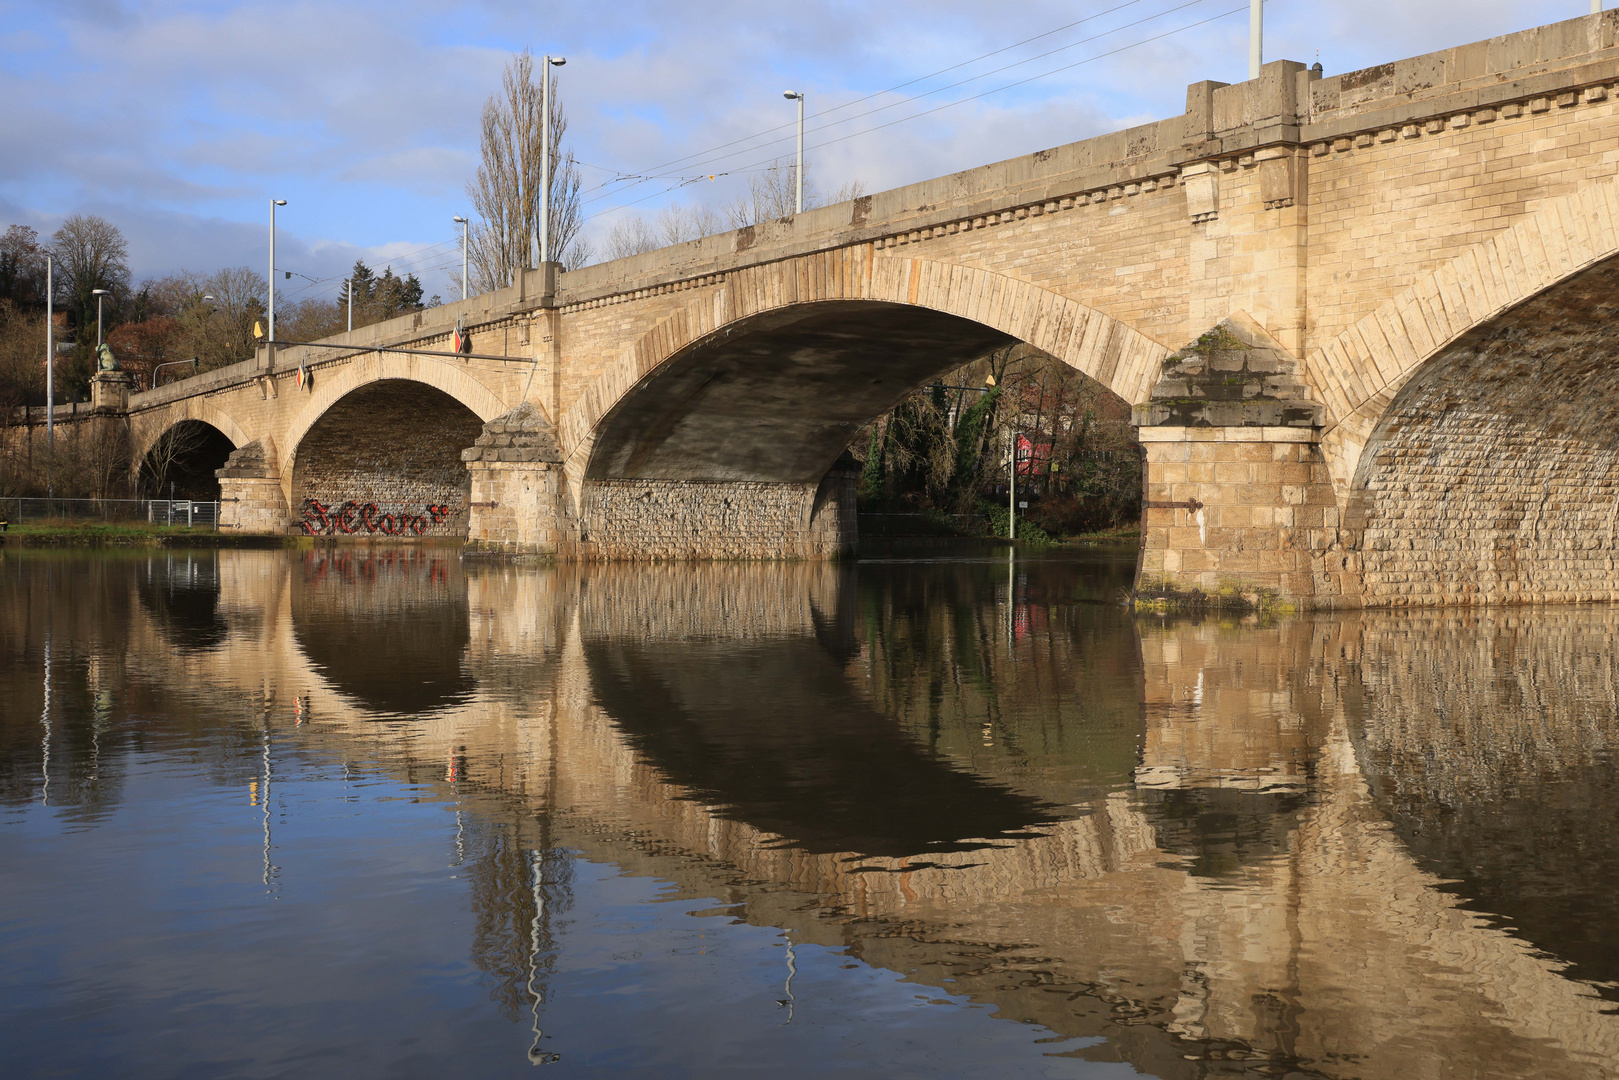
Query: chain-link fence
[(193, 513)]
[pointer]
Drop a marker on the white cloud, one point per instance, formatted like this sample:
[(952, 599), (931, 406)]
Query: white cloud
[(179, 122)]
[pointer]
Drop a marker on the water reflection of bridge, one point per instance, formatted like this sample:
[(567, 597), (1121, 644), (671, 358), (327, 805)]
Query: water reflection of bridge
[(1234, 840)]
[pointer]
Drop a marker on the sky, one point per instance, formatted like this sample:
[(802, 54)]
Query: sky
[(180, 121)]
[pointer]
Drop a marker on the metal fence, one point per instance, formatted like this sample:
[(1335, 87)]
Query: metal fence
[(193, 513)]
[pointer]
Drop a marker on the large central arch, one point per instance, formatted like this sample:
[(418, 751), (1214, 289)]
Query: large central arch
[(712, 434)]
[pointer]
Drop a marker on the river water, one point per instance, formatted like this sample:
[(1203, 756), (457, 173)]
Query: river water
[(393, 813)]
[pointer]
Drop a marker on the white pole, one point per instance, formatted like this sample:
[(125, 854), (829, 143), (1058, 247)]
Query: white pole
[(1596, 7), (1011, 487), (50, 388), (545, 160), (1256, 27), (271, 338), (799, 203), (464, 225), (350, 284)]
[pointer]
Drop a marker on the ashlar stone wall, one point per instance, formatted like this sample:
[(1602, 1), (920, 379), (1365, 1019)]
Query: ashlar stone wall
[(1494, 478), (394, 447), (692, 519)]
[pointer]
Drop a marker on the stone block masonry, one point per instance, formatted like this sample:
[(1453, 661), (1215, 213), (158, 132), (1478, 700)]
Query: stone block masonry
[(1388, 431), (517, 502), (695, 519), (395, 448)]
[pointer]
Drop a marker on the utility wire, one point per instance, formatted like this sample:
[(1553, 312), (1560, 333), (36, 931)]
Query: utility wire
[(953, 104), (898, 86), (917, 97)]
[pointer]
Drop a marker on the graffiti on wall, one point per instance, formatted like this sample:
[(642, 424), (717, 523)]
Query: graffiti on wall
[(357, 517)]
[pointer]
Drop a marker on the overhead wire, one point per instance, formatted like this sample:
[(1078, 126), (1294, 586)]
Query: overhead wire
[(877, 94), (959, 101), (703, 160)]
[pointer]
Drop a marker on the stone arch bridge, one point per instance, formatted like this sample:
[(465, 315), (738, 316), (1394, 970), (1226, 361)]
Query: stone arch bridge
[(1365, 320)]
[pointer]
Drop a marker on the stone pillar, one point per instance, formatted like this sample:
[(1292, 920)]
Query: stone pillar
[(250, 495), (517, 485), (109, 392), (1239, 508)]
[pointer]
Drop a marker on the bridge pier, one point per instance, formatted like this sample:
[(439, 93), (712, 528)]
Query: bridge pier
[(250, 496), (1239, 509)]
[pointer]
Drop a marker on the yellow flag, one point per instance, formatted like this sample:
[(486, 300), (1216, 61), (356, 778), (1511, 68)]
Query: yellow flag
[(258, 329)]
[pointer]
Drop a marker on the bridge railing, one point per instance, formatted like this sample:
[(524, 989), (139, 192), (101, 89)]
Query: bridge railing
[(192, 513)]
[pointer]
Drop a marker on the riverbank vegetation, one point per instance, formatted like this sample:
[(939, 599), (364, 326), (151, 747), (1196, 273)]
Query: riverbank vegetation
[(208, 317), (945, 452)]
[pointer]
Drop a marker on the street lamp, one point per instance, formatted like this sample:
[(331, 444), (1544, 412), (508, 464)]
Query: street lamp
[(98, 294), (461, 221), (50, 382), (545, 153), (1256, 36), (273, 204), (798, 96)]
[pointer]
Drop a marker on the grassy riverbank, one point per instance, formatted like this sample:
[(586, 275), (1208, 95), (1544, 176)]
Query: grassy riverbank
[(131, 534)]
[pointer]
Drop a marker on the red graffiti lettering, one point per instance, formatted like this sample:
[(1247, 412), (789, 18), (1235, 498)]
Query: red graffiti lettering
[(319, 519)]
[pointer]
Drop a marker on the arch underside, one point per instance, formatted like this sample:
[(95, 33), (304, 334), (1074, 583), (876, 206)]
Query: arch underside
[(776, 397), (182, 460), (390, 452), (1494, 475)]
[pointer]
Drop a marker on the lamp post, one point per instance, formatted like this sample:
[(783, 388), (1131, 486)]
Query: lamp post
[(348, 285), (98, 294), (1011, 487), (1256, 27), (50, 380), (798, 173), (273, 204), (545, 154), (461, 221)]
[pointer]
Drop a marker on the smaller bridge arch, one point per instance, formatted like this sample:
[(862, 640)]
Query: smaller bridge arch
[(328, 389), (148, 427), (1472, 443), (377, 449), (177, 449)]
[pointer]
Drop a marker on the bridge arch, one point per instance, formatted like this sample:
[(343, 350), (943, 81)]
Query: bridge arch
[(177, 449), (1360, 372), (1476, 450), (327, 390), (378, 449), (149, 427), (1119, 357)]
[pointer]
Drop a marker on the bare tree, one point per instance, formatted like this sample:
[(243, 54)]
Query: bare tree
[(90, 254), (506, 192), (226, 322), (22, 266), (674, 225), (773, 193), (168, 450)]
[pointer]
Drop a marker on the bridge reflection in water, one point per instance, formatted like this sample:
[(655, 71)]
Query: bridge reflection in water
[(1361, 845)]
